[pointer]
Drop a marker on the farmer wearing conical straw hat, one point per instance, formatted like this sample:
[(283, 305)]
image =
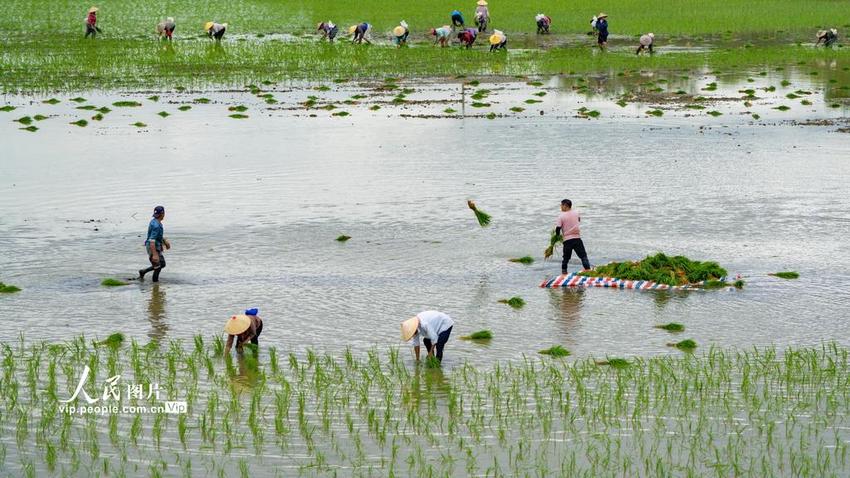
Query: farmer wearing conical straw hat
[(498, 41), (601, 27), (91, 23), (828, 37), (441, 35), (329, 30), (166, 28), (646, 42), (361, 32), (215, 30), (400, 33), (432, 327), (244, 328), (543, 23), (482, 16)]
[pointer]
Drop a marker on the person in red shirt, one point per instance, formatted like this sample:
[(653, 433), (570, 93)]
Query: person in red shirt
[(567, 226), (91, 23)]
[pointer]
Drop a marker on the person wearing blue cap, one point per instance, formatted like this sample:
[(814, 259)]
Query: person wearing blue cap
[(243, 328), (153, 245)]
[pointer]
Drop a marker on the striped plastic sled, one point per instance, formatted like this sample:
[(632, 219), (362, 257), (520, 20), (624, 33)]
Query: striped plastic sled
[(575, 280)]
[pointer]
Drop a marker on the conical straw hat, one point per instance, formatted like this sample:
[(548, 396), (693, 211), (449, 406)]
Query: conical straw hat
[(208, 25), (93, 9), (408, 328), (237, 324), (398, 31)]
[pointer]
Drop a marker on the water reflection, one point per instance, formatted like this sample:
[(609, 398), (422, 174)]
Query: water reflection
[(245, 375), (424, 383), (567, 303), (156, 314)]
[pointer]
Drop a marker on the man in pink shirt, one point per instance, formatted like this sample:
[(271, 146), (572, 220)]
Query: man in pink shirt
[(567, 226)]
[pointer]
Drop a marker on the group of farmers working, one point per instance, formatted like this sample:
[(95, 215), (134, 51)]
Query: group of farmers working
[(431, 328), (466, 35)]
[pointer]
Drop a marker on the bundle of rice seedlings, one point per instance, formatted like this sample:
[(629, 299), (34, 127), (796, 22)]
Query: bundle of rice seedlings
[(554, 240), (555, 351), (343, 238), (522, 260), (786, 275), (614, 362), (114, 340), (483, 217), (516, 302), (8, 289), (664, 269), (112, 282), (671, 327), (480, 335), (686, 345)]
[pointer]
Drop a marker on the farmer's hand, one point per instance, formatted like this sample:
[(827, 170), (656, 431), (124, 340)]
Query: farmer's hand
[(167, 244), (155, 260)]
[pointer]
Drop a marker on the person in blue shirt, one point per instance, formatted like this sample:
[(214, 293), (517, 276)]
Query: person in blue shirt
[(154, 244), (602, 30), (457, 19)]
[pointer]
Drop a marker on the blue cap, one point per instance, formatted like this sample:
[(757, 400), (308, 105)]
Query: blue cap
[(158, 210), (253, 311)]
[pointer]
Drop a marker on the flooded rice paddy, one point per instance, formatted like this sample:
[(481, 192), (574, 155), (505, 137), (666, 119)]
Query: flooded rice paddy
[(747, 169)]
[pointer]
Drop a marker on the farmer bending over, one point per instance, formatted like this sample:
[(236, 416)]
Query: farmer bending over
[(433, 327), (441, 35), (498, 41), (166, 28), (457, 19), (329, 30), (828, 37), (361, 32), (567, 225), (646, 42), (543, 23), (215, 30), (467, 37), (245, 328), (400, 34)]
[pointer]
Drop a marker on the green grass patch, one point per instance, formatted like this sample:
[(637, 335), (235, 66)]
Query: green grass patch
[(24, 120), (523, 260), (164, 114), (139, 124), (671, 327), (480, 335), (614, 362), (184, 108), (517, 109), (515, 302), (786, 275), (7, 108), (715, 113), (661, 268), (655, 112), (110, 282), (555, 351), (114, 340)]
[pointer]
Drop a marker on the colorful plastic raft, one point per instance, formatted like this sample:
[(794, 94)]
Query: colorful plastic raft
[(575, 280)]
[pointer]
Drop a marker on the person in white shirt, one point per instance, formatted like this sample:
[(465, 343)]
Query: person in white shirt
[(432, 327)]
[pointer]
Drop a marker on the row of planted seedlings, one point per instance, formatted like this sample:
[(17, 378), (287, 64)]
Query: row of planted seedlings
[(726, 412)]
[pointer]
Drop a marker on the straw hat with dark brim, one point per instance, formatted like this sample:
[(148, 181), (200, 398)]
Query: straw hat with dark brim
[(483, 3), (352, 28), (93, 9), (408, 328), (398, 31), (237, 324), (495, 39), (602, 15)]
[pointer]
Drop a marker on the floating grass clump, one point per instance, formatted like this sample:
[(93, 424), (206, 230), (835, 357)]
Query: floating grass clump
[(614, 362), (114, 340), (480, 335), (238, 116), (30, 128), (515, 302), (7, 108), (686, 345), (482, 217), (51, 101), (24, 120), (39, 117), (449, 111), (109, 282), (139, 124), (164, 114), (238, 109), (663, 269), (81, 123), (786, 275), (715, 113), (555, 351), (522, 260), (655, 112), (342, 238), (126, 104), (671, 327), (8, 288), (517, 109)]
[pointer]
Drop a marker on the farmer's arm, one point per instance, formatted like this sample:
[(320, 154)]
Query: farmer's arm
[(416, 351), (228, 345)]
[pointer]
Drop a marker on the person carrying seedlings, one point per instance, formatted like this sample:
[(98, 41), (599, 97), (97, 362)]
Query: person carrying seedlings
[(153, 245), (432, 327), (329, 30), (498, 41), (828, 37), (467, 37), (400, 34), (215, 30), (441, 35), (601, 27), (646, 42), (457, 19), (166, 28), (567, 226), (482, 16), (543, 23), (91, 23), (361, 32), (243, 328)]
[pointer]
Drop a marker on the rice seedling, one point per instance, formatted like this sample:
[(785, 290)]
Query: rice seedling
[(340, 113), (114, 340), (24, 120), (522, 260), (555, 351), (39, 117), (480, 335), (515, 302), (238, 116), (663, 269), (8, 288), (51, 101), (78, 99), (786, 275), (87, 107), (450, 111), (80, 122), (614, 362), (432, 362), (110, 282), (686, 345), (715, 113), (139, 124), (126, 104), (482, 217), (671, 327), (342, 238), (97, 117), (31, 128), (184, 108), (517, 109), (238, 109), (782, 108), (7, 108), (655, 112), (164, 114)]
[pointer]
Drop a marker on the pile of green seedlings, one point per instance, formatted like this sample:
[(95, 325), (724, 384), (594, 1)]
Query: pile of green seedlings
[(755, 412), (663, 269)]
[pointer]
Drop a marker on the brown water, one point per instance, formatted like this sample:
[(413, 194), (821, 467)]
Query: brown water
[(253, 207)]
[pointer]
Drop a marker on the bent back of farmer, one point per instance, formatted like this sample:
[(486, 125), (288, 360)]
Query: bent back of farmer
[(431, 327), (243, 329)]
